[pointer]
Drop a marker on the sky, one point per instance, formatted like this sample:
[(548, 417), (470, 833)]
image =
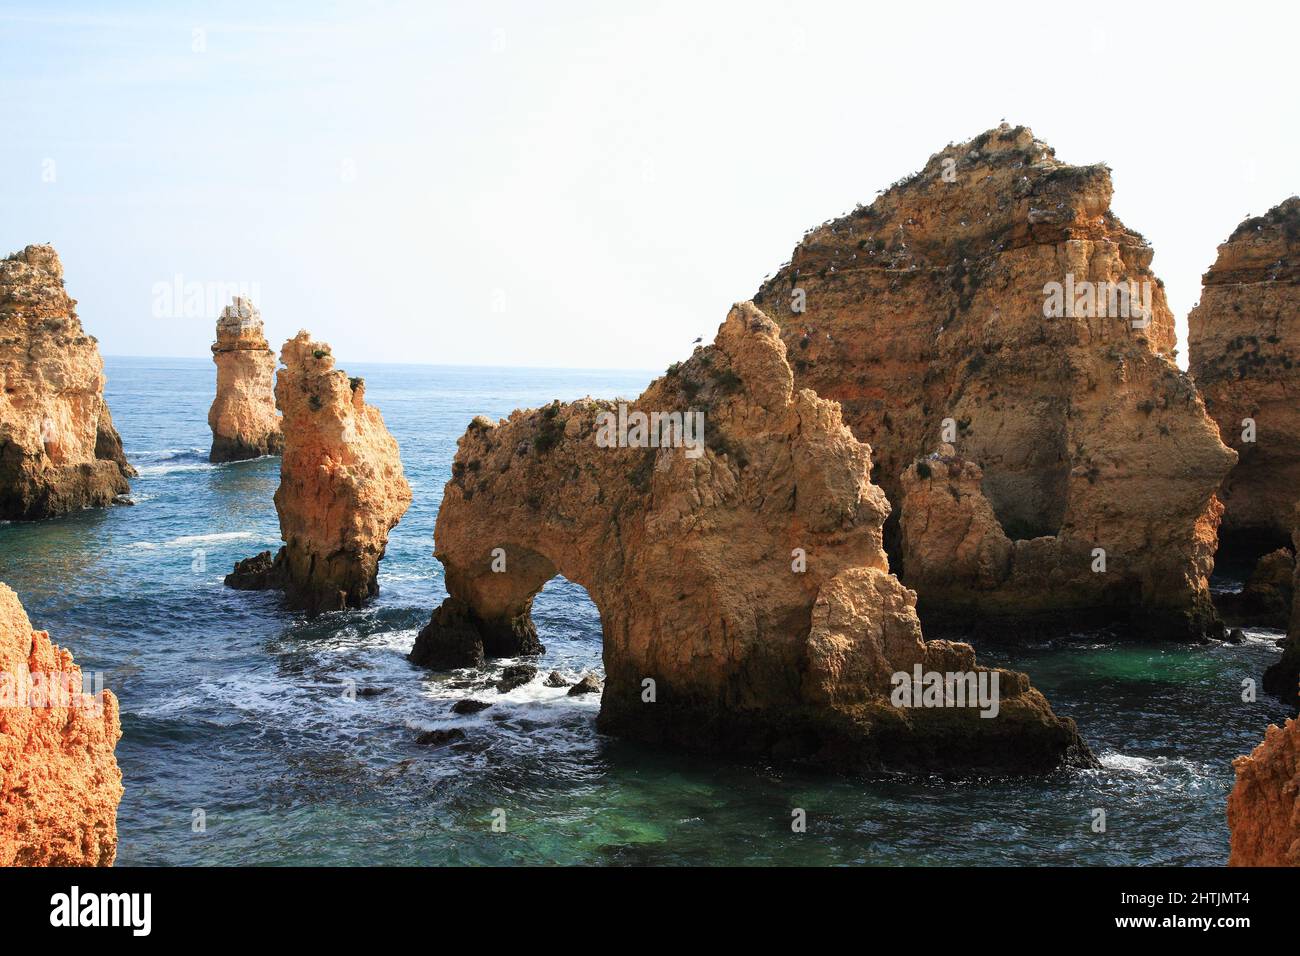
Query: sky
[(580, 185)]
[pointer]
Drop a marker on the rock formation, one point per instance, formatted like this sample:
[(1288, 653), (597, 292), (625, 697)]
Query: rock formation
[(1283, 678), (243, 418), (341, 491), (59, 782), (1244, 352), (1264, 806), (59, 451), (994, 303), (736, 560), (1265, 600)]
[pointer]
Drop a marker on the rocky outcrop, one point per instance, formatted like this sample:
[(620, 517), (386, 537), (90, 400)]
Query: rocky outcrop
[(243, 418), (59, 782), (736, 560), (342, 489), (993, 302), (1264, 806), (1283, 678), (59, 451), (1244, 352), (1265, 600)]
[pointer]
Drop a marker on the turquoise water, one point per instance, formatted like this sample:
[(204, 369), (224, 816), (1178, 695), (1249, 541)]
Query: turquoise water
[(236, 708)]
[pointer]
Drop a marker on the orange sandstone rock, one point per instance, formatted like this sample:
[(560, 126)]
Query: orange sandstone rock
[(59, 781), (745, 596), (341, 491), (243, 418), (59, 451), (1264, 806), (1244, 338), (994, 302)]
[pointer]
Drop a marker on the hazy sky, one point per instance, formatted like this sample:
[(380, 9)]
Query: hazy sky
[(581, 184)]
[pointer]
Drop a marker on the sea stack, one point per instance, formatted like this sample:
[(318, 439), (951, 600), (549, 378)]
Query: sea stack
[(1264, 806), (725, 525), (341, 487), (243, 418), (59, 781), (59, 451), (992, 312), (1244, 352)]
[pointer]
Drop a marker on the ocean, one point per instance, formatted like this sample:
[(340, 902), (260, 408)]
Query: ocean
[(242, 746)]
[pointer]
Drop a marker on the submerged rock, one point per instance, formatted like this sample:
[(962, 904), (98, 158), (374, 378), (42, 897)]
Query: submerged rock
[(994, 302), (59, 780), (590, 684), (1264, 806), (469, 706), (1244, 352), (516, 675), (59, 451), (341, 486), (555, 679), (437, 738), (243, 418), (745, 597)]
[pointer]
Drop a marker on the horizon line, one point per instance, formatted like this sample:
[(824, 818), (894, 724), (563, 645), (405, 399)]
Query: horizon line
[(534, 368)]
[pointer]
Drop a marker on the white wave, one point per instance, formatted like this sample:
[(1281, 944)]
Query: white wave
[(190, 540)]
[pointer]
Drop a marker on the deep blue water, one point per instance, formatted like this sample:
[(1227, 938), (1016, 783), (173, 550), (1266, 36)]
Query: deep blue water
[(236, 708)]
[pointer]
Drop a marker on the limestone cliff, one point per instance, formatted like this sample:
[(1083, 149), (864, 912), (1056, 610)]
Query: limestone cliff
[(59, 782), (342, 489), (1283, 678), (1244, 338), (243, 418), (994, 302), (737, 562), (1264, 806), (59, 451)]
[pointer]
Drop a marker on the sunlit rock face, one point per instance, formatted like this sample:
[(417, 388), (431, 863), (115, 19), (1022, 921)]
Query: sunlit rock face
[(342, 487), (59, 451), (59, 781), (1244, 338), (993, 303), (243, 418), (736, 560), (1264, 806)]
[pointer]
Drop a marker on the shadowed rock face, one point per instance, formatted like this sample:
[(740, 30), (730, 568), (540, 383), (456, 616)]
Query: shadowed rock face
[(925, 316), (243, 418), (1244, 338), (342, 489), (745, 597), (1283, 678), (59, 451), (59, 781), (1264, 806)]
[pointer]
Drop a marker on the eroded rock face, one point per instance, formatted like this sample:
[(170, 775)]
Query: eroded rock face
[(59, 781), (745, 597), (1244, 338), (924, 315), (1283, 678), (243, 418), (342, 489), (59, 451), (1264, 806)]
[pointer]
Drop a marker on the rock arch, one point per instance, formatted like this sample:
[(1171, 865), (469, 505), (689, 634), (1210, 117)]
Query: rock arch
[(691, 554)]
